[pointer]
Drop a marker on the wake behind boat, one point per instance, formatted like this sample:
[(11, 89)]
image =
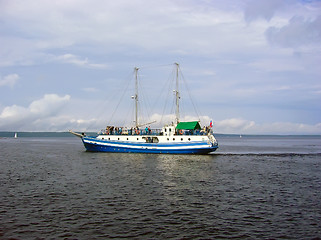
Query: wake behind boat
[(176, 138)]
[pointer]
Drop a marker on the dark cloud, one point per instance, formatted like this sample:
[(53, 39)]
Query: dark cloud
[(298, 32)]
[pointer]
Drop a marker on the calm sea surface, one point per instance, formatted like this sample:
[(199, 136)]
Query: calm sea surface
[(251, 188)]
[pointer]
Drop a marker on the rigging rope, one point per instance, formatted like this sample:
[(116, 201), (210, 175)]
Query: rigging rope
[(190, 96), (170, 87), (145, 103), (122, 96), (100, 109)]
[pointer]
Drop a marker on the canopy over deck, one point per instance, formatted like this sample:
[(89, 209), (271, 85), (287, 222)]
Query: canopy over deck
[(188, 125)]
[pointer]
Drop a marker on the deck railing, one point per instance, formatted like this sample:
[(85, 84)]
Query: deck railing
[(153, 132)]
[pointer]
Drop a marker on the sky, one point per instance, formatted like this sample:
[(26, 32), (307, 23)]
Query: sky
[(251, 66)]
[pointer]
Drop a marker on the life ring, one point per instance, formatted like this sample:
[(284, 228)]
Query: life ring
[(137, 132), (180, 132)]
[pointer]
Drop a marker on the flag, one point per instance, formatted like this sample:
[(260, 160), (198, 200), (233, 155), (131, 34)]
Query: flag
[(211, 123)]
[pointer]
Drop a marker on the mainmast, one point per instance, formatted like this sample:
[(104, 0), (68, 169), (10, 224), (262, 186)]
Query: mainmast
[(136, 97), (177, 94)]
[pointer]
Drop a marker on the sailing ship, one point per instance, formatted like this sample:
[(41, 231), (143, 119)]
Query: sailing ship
[(176, 138)]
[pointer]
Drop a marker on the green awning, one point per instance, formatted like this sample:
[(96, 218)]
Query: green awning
[(188, 125)]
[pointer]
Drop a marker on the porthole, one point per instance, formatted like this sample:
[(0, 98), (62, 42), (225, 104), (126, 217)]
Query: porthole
[(137, 139), (181, 139), (118, 138), (167, 139), (189, 139), (173, 139), (127, 138)]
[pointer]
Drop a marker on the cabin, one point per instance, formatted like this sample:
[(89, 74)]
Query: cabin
[(168, 130)]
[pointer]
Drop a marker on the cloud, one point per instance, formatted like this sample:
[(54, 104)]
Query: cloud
[(243, 126), (19, 117), (123, 26), (280, 64), (76, 60), (90, 89), (233, 125), (65, 123), (265, 9), (9, 80), (289, 128), (224, 46), (298, 32)]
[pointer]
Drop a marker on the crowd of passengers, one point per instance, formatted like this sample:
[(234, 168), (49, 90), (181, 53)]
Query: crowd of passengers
[(111, 130)]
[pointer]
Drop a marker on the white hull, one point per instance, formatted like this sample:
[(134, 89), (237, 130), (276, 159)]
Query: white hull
[(179, 144)]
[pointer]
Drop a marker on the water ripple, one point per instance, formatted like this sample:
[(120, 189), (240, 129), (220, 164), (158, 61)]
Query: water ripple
[(54, 190)]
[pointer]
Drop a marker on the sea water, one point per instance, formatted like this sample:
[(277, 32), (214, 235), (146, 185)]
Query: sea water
[(254, 187)]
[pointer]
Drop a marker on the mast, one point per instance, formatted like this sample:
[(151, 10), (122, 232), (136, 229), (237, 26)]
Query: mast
[(136, 98), (177, 94)]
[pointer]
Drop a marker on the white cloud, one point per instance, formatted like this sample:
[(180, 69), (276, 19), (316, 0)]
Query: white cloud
[(233, 125), (90, 89), (19, 117), (289, 128), (280, 64), (65, 123), (126, 25), (243, 126), (76, 60), (9, 80)]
